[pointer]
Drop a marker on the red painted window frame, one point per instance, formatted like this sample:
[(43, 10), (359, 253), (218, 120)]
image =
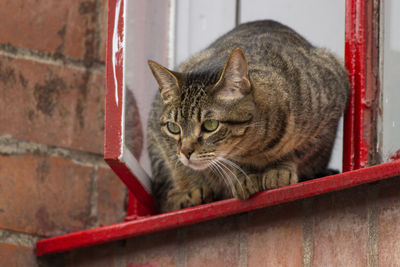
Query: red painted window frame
[(140, 202), (358, 144)]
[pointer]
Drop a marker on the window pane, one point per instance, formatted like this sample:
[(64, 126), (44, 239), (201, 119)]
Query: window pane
[(391, 81)]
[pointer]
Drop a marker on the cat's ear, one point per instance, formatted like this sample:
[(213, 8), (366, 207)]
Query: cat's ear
[(234, 82), (167, 81)]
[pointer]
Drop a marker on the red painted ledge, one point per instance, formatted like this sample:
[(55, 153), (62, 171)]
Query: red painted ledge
[(151, 224)]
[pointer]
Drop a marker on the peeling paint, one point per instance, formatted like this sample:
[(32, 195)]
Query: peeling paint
[(117, 47), (395, 156)]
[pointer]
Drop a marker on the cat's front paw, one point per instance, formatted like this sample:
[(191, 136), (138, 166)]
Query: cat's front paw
[(178, 199), (278, 177), (246, 186)]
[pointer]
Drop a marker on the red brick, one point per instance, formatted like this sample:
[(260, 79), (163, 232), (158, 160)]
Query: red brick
[(275, 236), (389, 223), (16, 256), (104, 255), (58, 27), (111, 197), (214, 243), (159, 249), (341, 229), (44, 195), (51, 105)]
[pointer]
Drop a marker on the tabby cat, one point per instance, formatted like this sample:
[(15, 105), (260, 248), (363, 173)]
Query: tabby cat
[(257, 109)]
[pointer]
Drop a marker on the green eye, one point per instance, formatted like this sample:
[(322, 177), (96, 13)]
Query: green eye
[(173, 128), (210, 125)]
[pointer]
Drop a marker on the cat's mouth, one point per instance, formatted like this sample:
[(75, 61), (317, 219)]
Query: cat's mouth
[(195, 164)]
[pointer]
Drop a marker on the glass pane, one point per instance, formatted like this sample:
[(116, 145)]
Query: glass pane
[(390, 142), (146, 38)]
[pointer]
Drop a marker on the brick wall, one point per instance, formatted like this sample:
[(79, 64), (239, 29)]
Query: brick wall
[(53, 179), (354, 227)]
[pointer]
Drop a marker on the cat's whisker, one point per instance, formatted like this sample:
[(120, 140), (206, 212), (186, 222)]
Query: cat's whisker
[(225, 174), (257, 124), (222, 163), (234, 165), (216, 171)]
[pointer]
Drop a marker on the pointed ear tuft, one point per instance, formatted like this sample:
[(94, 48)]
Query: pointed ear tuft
[(167, 81), (234, 82)]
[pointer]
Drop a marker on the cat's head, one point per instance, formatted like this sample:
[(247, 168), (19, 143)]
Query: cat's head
[(206, 114)]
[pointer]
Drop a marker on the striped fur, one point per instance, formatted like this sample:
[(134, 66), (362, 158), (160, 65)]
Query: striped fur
[(277, 99)]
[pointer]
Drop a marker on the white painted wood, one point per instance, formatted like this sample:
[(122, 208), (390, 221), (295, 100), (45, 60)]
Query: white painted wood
[(198, 23), (320, 21), (391, 79), (171, 33)]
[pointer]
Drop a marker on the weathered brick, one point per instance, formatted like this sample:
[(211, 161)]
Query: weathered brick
[(160, 249), (105, 255), (341, 228), (111, 197), (389, 223), (44, 195), (214, 243), (16, 256), (275, 236), (51, 105), (57, 27)]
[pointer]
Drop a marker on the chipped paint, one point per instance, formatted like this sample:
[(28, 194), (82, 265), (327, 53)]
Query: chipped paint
[(118, 45), (395, 156)]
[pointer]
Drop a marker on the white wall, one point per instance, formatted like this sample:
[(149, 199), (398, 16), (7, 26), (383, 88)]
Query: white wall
[(320, 21), (199, 23)]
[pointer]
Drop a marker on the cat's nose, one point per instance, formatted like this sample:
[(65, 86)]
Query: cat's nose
[(187, 151)]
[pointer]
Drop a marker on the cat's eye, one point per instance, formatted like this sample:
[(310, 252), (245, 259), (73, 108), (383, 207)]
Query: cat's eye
[(173, 128), (210, 125)]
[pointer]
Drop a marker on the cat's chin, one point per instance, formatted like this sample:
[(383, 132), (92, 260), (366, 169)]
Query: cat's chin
[(195, 165)]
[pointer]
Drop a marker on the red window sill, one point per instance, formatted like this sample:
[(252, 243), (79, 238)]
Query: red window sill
[(170, 220)]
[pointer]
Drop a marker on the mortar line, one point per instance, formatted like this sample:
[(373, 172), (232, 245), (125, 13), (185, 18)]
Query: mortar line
[(373, 217), (181, 236), (243, 239), (94, 196), (11, 146), (308, 236), (47, 58), (18, 238)]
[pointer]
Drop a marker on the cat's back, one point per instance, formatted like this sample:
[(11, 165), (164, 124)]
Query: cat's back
[(256, 39), (259, 32)]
